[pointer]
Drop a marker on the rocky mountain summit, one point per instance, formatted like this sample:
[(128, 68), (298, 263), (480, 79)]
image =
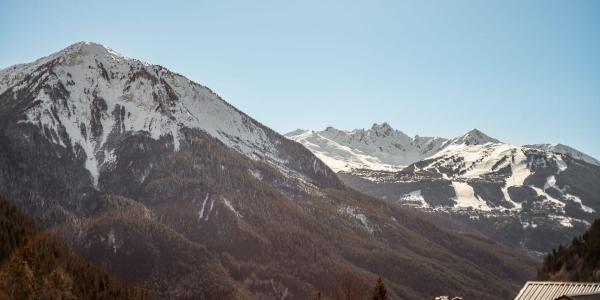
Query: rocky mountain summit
[(378, 148), (111, 96)]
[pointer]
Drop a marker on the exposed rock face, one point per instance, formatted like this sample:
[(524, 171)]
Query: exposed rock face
[(533, 196), (159, 181)]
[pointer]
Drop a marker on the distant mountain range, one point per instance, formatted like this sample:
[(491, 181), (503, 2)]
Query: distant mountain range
[(385, 148), (160, 182), (535, 196)]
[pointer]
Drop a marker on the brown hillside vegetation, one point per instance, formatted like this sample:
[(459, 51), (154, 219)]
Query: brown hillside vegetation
[(277, 235), (276, 238), (34, 265), (579, 261)]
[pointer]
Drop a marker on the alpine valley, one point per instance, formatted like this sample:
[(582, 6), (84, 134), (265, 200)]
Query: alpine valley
[(161, 183), (532, 196)]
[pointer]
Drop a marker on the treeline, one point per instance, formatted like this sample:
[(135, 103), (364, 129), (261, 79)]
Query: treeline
[(578, 262), (35, 265), (352, 288)]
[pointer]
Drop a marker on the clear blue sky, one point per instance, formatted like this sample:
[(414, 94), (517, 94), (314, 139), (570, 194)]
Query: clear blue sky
[(521, 71)]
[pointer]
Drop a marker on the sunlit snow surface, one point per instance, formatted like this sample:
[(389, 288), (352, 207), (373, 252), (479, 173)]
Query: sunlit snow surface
[(378, 148), (465, 197), (79, 70), (551, 183), (462, 161), (414, 197), (233, 210), (564, 149)]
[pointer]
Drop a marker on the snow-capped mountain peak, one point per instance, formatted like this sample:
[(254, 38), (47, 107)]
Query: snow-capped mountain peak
[(89, 49), (72, 55), (380, 148), (87, 95), (473, 137), (384, 129)]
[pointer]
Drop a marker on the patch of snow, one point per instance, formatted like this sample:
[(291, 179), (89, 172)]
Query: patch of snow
[(110, 156), (210, 209), (201, 212), (355, 213), (112, 240), (519, 167), (541, 192), (228, 204), (175, 135), (256, 174), (414, 197), (576, 199), (563, 220), (465, 197), (528, 225), (506, 195), (561, 164), (551, 183)]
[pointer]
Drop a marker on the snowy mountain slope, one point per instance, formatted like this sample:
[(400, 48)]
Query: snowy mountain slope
[(480, 177), (378, 148), (473, 137), (498, 162), (118, 89), (564, 149)]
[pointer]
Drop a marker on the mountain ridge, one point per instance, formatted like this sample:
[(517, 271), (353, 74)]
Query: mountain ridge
[(476, 177), (383, 130), (164, 115), (381, 147)]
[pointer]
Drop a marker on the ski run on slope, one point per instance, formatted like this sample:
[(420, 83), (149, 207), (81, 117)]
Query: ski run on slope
[(465, 197), (376, 154)]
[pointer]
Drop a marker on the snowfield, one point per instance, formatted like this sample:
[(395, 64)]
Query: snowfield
[(465, 197), (378, 148), (128, 95)]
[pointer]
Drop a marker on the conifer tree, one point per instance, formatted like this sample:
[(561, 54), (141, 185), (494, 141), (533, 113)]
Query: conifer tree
[(379, 292), (58, 285), (20, 281), (318, 296)]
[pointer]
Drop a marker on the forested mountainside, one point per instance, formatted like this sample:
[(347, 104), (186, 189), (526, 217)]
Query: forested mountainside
[(579, 261), (35, 265), (160, 182)]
